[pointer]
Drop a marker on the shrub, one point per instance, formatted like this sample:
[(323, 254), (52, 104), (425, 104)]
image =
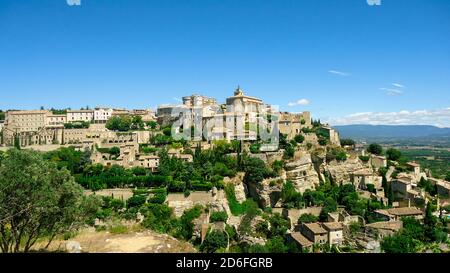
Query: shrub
[(218, 216), (159, 196), (299, 138), (371, 188), (235, 207), (364, 158), (254, 148), (307, 218), (214, 240), (323, 141), (118, 229), (136, 201), (201, 186)]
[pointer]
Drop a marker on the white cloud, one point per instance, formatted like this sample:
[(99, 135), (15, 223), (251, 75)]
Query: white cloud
[(299, 102), (436, 117), (392, 92), (73, 2), (177, 99), (398, 85), (340, 73)]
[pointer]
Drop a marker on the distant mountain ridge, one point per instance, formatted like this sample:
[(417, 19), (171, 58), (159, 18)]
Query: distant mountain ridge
[(391, 131)]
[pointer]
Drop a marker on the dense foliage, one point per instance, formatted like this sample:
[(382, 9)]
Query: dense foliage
[(375, 148), (37, 199)]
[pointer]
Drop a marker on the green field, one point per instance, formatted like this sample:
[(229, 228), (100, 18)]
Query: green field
[(438, 161)]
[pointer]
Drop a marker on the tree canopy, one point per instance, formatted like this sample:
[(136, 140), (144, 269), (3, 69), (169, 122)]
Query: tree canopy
[(375, 148), (37, 199)]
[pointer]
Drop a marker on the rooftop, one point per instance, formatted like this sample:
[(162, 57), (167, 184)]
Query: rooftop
[(390, 225), (413, 164), (405, 211), (332, 226), (315, 228), (301, 239)]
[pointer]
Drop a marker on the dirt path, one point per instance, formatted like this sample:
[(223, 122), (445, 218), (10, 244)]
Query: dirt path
[(135, 242)]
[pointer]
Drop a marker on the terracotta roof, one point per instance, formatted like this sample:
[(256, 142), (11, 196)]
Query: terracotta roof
[(332, 226), (302, 240), (400, 211), (315, 228), (405, 211), (444, 184), (413, 164), (390, 225)]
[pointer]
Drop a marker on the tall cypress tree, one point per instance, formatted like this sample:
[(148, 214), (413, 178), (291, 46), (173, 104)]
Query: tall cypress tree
[(16, 141), (384, 183), (390, 195)]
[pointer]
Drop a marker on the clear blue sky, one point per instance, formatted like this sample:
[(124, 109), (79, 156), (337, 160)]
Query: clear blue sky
[(340, 57)]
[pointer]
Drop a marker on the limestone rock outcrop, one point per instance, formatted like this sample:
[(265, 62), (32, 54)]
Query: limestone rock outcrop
[(267, 192), (342, 172), (302, 173), (240, 188)]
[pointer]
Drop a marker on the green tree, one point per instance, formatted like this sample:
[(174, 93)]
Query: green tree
[(307, 218), (330, 205), (375, 148), (218, 216), (136, 122), (255, 170), (37, 199), (289, 151), (276, 245), (323, 141), (384, 183), (277, 166), (347, 142), (152, 124), (390, 194), (120, 123), (299, 138), (393, 154), (214, 241), (16, 141)]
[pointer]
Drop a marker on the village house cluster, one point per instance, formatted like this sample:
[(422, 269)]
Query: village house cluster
[(234, 120), (44, 129)]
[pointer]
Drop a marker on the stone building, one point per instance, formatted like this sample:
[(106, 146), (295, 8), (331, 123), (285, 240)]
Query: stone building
[(101, 115), (335, 232), (24, 125), (291, 124), (378, 161), (26, 121), (80, 115), (384, 228), (301, 241), (243, 103), (395, 214), (315, 233), (443, 187), (334, 135), (52, 120), (196, 100)]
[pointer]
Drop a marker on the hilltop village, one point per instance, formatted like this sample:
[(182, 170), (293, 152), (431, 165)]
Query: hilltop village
[(312, 192)]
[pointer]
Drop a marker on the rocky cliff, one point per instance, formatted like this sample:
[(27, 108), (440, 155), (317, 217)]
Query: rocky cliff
[(302, 173)]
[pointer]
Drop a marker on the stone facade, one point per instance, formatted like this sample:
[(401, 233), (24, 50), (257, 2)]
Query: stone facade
[(80, 115), (291, 124)]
